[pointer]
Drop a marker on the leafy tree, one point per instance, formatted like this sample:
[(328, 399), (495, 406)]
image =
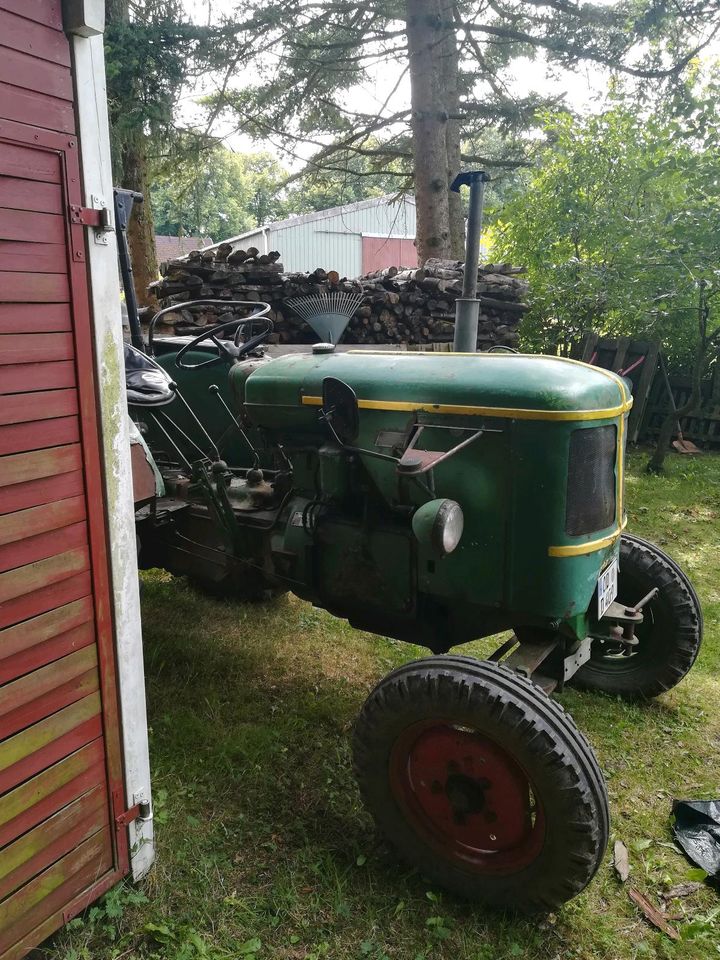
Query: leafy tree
[(619, 224), (217, 194), (152, 50), (350, 178), (460, 57)]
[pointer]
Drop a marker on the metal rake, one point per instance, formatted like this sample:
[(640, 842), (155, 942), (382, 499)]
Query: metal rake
[(327, 313)]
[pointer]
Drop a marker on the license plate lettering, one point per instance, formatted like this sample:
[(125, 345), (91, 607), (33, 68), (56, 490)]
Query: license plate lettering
[(607, 587)]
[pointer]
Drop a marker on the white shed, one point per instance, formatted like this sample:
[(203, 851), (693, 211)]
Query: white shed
[(353, 239)]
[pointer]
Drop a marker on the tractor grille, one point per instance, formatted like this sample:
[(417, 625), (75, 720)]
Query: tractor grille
[(591, 480)]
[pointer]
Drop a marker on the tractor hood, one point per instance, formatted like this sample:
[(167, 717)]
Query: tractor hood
[(287, 392)]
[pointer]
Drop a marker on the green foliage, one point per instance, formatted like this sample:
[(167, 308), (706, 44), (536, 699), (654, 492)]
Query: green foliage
[(620, 222), (348, 178), (305, 65), (149, 59), (212, 192), (216, 193)]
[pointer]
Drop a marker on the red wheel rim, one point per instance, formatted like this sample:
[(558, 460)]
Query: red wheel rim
[(466, 797)]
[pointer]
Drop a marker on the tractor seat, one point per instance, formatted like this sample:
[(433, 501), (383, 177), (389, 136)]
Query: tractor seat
[(147, 384)]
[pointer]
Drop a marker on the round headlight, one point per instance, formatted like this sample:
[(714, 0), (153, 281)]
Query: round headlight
[(439, 525)]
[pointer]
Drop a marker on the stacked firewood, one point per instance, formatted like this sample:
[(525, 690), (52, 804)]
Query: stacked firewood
[(418, 306), (402, 306)]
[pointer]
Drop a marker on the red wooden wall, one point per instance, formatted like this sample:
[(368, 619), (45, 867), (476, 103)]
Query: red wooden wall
[(60, 759), (381, 252)]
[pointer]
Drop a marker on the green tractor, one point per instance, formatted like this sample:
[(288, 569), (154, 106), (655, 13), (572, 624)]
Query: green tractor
[(436, 498)]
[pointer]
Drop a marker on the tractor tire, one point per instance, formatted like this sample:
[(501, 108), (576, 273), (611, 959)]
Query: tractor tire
[(669, 636), (482, 783)]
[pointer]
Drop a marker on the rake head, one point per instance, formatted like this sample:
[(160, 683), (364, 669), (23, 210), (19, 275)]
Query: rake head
[(327, 313)]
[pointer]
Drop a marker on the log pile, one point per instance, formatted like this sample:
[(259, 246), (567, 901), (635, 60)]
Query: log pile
[(401, 306)]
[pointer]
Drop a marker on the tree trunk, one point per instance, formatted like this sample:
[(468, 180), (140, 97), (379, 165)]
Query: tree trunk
[(428, 124), (141, 230), (130, 171), (451, 97)]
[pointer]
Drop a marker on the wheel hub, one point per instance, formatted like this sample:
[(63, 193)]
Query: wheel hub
[(466, 796)]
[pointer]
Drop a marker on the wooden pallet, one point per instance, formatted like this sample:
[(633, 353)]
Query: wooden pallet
[(703, 428), (620, 353)]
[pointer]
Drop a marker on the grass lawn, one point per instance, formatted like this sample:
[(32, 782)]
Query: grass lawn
[(264, 850)]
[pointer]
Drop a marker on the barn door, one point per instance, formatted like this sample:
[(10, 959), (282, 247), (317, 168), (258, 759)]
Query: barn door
[(60, 759), (381, 252)]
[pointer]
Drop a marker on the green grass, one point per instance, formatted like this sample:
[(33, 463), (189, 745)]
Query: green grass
[(263, 847)]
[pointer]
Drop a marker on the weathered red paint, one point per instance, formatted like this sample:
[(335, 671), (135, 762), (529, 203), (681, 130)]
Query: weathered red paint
[(43, 347), (32, 227), (43, 257), (34, 38), (34, 317), (46, 705), (51, 624), (17, 194), (23, 467), (48, 596), (35, 800), (32, 73), (48, 12), (38, 406), (46, 652), (42, 546), (50, 740), (144, 485), (17, 161), (45, 286), (56, 886), (54, 838), (48, 702), (27, 377), (43, 490), (18, 437), (60, 758), (25, 580), (41, 519)]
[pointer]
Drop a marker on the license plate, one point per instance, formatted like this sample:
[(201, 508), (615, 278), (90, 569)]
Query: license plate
[(607, 587)]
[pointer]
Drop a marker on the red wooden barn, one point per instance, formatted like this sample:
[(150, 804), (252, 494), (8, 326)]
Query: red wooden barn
[(74, 774)]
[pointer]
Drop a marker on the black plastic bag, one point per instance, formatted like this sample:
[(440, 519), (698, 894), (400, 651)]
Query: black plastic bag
[(697, 830)]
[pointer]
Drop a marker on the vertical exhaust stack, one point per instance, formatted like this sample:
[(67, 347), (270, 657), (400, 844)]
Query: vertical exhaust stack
[(467, 307), (124, 200)]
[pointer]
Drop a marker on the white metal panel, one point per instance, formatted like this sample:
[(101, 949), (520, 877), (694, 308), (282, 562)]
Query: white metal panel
[(305, 247), (331, 239), (107, 331), (334, 242), (254, 239)]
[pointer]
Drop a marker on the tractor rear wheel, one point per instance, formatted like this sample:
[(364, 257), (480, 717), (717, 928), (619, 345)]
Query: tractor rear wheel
[(482, 782), (669, 636)]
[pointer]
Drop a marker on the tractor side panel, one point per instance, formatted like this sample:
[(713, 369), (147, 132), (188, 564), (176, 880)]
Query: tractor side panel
[(60, 756)]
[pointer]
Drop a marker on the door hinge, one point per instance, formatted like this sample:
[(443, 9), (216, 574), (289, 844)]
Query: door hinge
[(140, 810), (98, 217)]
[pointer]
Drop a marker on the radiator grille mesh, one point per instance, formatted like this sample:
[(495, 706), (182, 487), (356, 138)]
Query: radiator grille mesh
[(591, 480)]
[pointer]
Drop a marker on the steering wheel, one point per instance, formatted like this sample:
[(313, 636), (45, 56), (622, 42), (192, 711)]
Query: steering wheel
[(224, 352)]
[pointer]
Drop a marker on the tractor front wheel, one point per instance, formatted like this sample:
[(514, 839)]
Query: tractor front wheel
[(669, 637), (482, 782)]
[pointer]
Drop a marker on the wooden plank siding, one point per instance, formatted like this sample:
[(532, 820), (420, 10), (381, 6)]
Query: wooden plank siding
[(60, 759)]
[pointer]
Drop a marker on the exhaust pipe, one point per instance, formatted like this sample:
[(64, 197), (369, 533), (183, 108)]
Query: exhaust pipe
[(467, 307)]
